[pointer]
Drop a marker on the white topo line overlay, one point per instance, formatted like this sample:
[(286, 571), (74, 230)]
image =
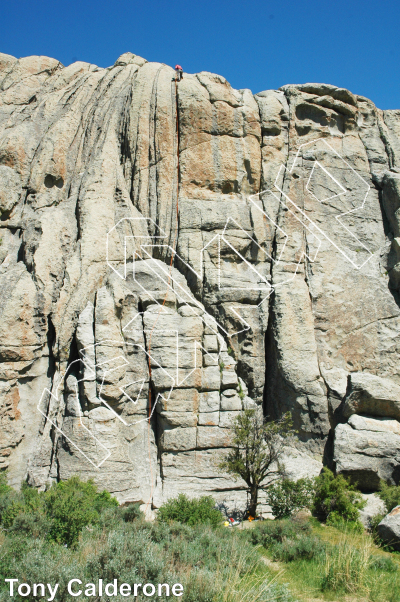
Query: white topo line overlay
[(144, 249), (168, 280), (281, 171), (304, 253), (91, 367), (57, 398)]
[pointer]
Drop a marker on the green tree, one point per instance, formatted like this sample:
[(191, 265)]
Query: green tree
[(4, 486), (60, 513), (256, 454), (9, 500)]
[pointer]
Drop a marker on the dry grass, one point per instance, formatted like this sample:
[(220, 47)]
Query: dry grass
[(343, 572), (358, 540), (247, 580), (346, 565)]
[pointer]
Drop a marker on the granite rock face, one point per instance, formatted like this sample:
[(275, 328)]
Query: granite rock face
[(372, 395), (173, 253), (368, 450), (374, 505), (389, 528)]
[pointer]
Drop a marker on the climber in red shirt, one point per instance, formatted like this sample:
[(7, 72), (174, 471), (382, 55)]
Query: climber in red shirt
[(179, 73)]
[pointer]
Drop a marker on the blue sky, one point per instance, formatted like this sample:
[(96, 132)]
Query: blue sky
[(256, 44)]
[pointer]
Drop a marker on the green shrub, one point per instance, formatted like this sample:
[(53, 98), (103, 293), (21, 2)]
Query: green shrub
[(301, 547), (73, 504), (268, 532), (287, 540), (287, 497), (213, 565), (373, 527), (131, 513), (190, 512), (33, 499), (334, 494), (58, 514), (8, 496), (13, 503), (336, 520), (10, 513), (4, 486), (38, 561), (390, 494), (383, 564), (33, 524)]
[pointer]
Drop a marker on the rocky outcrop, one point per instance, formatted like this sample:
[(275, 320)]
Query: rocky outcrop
[(373, 506), (368, 450), (389, 528), (370, 394), (173, 253)]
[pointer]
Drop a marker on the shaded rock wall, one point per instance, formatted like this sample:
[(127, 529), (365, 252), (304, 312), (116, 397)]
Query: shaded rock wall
[(171, 254)]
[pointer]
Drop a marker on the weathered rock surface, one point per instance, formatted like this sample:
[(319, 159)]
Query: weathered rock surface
[(171, 254), (367, 450), (370, 394), (389, 528), (374, 505)]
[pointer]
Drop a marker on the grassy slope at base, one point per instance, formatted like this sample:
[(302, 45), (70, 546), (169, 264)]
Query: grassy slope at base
[(374, 576)]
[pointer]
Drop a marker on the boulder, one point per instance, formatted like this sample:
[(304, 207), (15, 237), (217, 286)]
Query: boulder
[(374, 505), (389, 528), (372, 395), (367, 450)]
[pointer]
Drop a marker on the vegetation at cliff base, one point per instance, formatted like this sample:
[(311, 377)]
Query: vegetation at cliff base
[(323, 563), (287, 497), (72, 530), (60, 513), (191, 512), (336, 501), (390, 495), (214, 564)]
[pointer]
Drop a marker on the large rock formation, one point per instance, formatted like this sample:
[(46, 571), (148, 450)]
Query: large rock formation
[(368, 450), (173, 253)]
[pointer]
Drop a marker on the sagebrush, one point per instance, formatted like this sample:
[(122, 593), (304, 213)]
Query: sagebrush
[(190, 511)]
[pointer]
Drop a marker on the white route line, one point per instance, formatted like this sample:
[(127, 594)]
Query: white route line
[(223, 237), (188, 299), (126, 238), (337, 217), (134, 382), (107, 372), (196, 345), (172, 284), (328, 174), (88, 364), (303, 254), (56, 397)]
